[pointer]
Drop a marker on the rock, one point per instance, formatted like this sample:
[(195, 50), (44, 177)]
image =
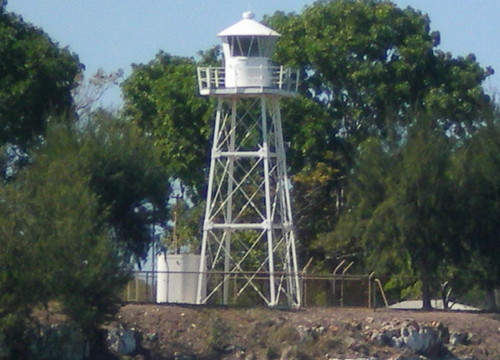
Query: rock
[(459, 338), (388, 335), (349, 342), (409, 327), (444, 333), (378, 338), (59, 342), (411, 357), (320, 330), (355, 324), (151, 336), (398, 342), (121, 341), (393, 329), (178, 356), (424, 341), (233, 349), (251, 356), (306, 333)]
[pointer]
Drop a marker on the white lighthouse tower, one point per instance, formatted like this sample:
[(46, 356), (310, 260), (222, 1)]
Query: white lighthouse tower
[(248, 245)]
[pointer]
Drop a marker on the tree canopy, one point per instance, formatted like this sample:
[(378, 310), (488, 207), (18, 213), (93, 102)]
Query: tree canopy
[(55, 247), (162, 98), (369, 69), (371, 64), (77, 217), (81, 207), (400, 207), (477, 173), (36, 79), (373, 80), (124, 172)]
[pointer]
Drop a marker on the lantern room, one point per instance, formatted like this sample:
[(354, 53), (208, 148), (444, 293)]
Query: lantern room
[(248, 46)]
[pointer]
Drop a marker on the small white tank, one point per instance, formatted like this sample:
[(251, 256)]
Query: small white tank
[(177, 280)]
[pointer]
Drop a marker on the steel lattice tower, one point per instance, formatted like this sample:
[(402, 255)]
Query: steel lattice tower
[(248, 243)]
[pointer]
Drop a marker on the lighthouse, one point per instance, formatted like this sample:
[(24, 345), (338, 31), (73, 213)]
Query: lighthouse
[(248, 251)]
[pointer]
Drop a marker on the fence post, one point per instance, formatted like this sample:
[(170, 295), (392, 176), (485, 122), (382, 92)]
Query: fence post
[(370, 280), (303, 284), (334, 282), (342, 284)]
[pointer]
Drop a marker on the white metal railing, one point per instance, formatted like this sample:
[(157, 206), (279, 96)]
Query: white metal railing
[(277, 77), (211, 77)]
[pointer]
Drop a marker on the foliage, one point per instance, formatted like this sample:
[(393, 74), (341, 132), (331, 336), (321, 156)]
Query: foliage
[(211, 57), (368, 68), (161, 97), (371, 64), (402, 206), (124, 172), (71, 220), (315, 155), (477, 174), (55, 247), (36, 78)]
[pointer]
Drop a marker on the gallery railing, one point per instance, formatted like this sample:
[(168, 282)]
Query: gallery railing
[(269, 77)]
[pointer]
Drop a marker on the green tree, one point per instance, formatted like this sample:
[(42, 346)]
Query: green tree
[(372, 63), (72, 220), (36, 79), (477, 174), (318, 159), (55, 247), (401, 206), (124, 172), (370, 67), (162, 98)]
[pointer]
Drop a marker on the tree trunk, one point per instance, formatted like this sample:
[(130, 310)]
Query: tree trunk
[(445, 294), (491, 304), (426, 289)]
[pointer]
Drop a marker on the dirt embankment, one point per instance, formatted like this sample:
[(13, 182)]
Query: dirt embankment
[(203, 333)]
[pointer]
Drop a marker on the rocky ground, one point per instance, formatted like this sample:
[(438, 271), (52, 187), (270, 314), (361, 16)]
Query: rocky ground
[(166, 332)]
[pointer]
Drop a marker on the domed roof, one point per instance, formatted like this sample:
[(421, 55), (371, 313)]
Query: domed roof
[(248, 27)]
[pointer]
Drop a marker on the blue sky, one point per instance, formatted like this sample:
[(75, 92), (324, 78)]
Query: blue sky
[(113, 34)]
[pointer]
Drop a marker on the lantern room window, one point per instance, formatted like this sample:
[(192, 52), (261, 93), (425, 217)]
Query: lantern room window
[(251, 46)]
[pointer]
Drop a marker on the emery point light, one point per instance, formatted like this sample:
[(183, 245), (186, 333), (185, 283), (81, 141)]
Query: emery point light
[(248, 242)]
